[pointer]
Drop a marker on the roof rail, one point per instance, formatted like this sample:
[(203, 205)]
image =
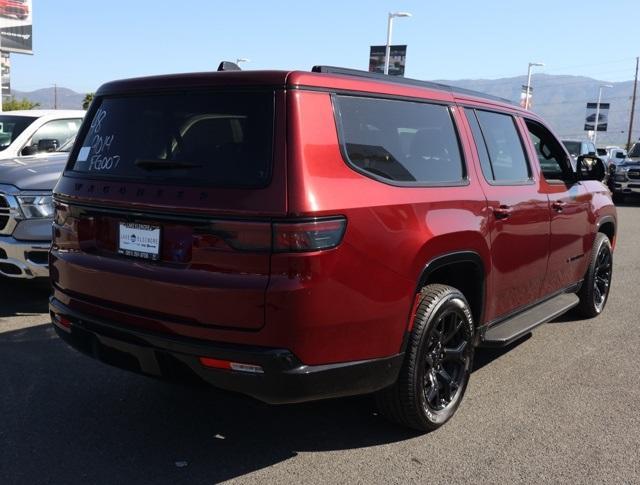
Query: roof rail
[(402, 80)]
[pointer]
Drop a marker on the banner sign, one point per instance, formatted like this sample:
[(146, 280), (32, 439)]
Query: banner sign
[(16, 26), (6, 73), (397, 59), (590, 117)]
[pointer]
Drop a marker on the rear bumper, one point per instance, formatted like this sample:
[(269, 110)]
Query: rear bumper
[(15, 257), (284, 378)]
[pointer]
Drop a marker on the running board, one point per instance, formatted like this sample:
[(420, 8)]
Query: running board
[(521, 324)]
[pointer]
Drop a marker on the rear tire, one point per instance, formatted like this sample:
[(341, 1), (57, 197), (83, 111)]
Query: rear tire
[(437, 364), (597, 282)]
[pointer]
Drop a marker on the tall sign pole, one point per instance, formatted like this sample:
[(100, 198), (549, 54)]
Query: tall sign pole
[(633, 106)]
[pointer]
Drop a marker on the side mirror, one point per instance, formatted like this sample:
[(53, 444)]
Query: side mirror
[(591, 168), (48, 145), (29, 150)]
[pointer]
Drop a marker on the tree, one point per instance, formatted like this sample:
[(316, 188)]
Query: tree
[(12, 104), (87, 100)]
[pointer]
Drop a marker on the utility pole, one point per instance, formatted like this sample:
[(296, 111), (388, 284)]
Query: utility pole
[(55, 96), (633, 106)]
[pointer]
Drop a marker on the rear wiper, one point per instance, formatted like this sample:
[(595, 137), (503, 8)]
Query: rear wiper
[(160, 164)]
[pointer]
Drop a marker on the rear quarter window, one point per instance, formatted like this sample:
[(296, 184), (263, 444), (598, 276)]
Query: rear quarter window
[(215, 139), (401, 142)]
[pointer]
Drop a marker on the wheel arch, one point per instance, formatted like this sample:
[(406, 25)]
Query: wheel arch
[(607, 226), (454, 269)]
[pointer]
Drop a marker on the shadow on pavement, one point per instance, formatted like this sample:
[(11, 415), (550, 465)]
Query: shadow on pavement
[(23, 297), (68, 419), (486, 355)]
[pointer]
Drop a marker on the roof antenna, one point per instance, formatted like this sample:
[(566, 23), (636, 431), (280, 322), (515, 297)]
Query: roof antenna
[(228, 66)]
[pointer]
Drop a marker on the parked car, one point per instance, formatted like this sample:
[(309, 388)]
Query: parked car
[(14, 8), (615, 155), (26, 212), (33, 132), (306, 235), (626, 178), (577, 148)]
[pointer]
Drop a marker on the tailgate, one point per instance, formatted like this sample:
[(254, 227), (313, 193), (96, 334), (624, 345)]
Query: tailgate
[(207, 272)]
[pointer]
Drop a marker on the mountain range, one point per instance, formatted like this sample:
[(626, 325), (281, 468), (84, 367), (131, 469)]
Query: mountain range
[(560, 99)]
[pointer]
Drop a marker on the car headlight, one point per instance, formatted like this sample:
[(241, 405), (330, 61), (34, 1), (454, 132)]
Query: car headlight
[(37, 206)]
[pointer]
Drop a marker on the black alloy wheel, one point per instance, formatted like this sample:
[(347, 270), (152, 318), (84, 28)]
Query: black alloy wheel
[(446, 360), (438, 362), (602, 277), (597, 282)]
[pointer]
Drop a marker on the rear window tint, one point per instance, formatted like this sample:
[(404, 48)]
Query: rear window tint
[(400, 141), (216, 139)]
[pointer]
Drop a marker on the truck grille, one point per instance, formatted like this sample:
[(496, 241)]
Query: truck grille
[(4, 212), (633, 174)]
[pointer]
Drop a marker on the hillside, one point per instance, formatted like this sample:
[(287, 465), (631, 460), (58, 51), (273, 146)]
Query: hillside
[(561, 100), (67, 99)]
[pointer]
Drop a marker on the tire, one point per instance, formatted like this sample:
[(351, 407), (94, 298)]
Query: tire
[(440, 345), (597, 282)]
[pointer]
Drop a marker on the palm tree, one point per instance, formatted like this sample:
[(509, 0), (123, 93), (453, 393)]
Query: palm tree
[(87, 100)]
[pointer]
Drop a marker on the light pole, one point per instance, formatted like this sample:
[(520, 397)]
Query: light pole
[(242, 59), (595, 122), (528, 94), (387, 52)]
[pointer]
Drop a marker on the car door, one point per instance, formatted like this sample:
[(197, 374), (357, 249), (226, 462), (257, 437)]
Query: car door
[(519, 225), (569, 201)]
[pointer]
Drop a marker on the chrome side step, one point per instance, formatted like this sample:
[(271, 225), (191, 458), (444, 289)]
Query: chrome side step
[(521, 324)]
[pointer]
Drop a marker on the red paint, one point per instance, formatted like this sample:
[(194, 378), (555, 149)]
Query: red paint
[(342, 304)]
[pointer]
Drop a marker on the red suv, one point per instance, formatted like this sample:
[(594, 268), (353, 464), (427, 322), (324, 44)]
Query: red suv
[(305, 235)]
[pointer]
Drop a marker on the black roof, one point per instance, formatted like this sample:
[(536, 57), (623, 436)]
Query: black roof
[(403, 80)]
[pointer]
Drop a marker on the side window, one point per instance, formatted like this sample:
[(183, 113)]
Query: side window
[(552, 158), (400, 141), (506, 153), (478, 137), (58, 130)]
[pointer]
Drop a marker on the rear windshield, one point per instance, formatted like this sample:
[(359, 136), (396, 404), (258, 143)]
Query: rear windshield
[(215, 139), (11, 127)]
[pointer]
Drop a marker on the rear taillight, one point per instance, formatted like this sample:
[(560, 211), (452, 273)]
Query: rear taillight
[(65, 230), (308, 236), (238, 235)]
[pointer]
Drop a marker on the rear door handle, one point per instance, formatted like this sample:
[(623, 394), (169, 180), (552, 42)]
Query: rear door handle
[(502, 212), (558, 205)]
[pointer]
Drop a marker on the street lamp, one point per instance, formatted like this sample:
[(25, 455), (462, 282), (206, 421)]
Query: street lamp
[(595, 122), (526, 99), (387, 52), (242, 59)]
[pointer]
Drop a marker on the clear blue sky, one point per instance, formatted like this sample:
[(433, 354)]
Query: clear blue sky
[(82, 43)]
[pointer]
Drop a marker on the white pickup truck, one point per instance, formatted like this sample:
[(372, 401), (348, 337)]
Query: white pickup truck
[(35, 132)]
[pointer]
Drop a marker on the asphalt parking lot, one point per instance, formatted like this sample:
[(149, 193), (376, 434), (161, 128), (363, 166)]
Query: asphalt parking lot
[(559, 406)]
